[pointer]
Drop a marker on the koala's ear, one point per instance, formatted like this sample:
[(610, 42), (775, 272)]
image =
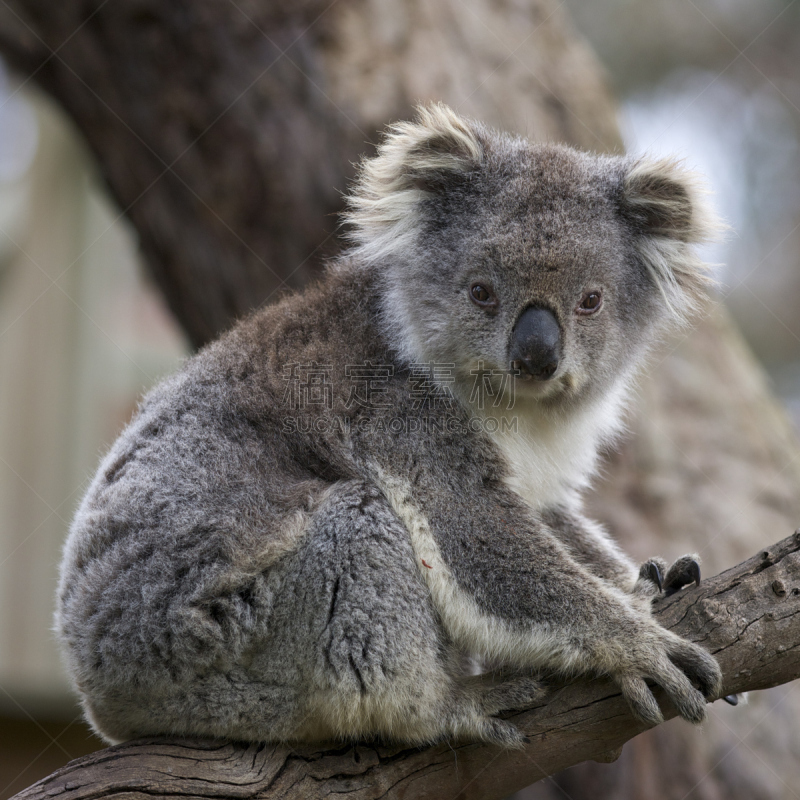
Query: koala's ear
[(664, 204), (438, 146), (415, 158)]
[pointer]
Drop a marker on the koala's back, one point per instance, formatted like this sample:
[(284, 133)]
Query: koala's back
[(172, 572)]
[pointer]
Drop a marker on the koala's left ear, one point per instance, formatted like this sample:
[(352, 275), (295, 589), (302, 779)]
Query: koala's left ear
[(665, 206), (435, 151)]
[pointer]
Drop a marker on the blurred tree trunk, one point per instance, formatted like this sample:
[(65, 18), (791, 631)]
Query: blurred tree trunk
[(227, 131)]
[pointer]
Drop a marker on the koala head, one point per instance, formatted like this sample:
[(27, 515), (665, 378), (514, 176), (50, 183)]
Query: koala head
[(497, 253)]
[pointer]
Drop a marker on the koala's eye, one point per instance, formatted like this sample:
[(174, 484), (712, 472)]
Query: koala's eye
[(482, 295), (590, 303)]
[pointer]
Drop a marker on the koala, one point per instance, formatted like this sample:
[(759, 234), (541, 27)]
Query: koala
[(280, 549)]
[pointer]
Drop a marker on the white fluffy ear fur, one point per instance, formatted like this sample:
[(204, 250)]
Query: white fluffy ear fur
[(414, 159), (666, 205)]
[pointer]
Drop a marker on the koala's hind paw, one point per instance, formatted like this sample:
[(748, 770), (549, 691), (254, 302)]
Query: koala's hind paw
[(517, 693), (684, 571), (502, 733)]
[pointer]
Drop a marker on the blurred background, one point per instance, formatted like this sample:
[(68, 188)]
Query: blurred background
[(84, 332), (719, 84)]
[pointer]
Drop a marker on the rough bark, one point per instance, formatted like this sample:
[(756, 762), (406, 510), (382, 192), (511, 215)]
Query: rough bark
[(226, 129), (748, 616)]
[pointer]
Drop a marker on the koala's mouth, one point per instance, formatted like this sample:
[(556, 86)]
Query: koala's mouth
[(521, 371), (555, 388)]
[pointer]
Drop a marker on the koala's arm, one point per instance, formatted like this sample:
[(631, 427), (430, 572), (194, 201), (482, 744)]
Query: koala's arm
[(587, 542), (594, 549), (506, 588)]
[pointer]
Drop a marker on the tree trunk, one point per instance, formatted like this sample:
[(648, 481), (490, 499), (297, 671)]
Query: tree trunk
[(226, 131)]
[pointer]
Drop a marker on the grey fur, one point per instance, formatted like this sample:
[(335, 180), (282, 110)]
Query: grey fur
[(242, 568)]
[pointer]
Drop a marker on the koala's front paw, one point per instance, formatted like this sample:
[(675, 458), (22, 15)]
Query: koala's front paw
[(655, 578), (686, 672), (684, 571), (650, 582)]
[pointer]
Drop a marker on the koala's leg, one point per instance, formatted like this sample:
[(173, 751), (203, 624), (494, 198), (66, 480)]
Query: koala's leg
[(362, 637)]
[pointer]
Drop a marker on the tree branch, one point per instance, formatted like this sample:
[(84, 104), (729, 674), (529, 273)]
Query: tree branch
[(749, 617)]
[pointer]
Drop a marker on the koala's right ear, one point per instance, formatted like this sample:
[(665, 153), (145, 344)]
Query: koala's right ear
[(665, 206), (416, 158)]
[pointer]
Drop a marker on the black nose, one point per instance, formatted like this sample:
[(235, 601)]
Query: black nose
[(536, 343)]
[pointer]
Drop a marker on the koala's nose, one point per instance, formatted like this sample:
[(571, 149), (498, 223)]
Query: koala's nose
[(536, 343)]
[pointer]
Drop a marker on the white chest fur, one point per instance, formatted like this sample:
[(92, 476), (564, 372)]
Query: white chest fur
[(552, 458)]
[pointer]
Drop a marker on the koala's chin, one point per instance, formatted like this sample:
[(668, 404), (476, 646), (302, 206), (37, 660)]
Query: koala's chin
[(301, 534), (553, 390)]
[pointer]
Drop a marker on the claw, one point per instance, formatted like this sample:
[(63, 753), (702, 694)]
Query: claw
[(654, 573), (731, 699), (688, 573)]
